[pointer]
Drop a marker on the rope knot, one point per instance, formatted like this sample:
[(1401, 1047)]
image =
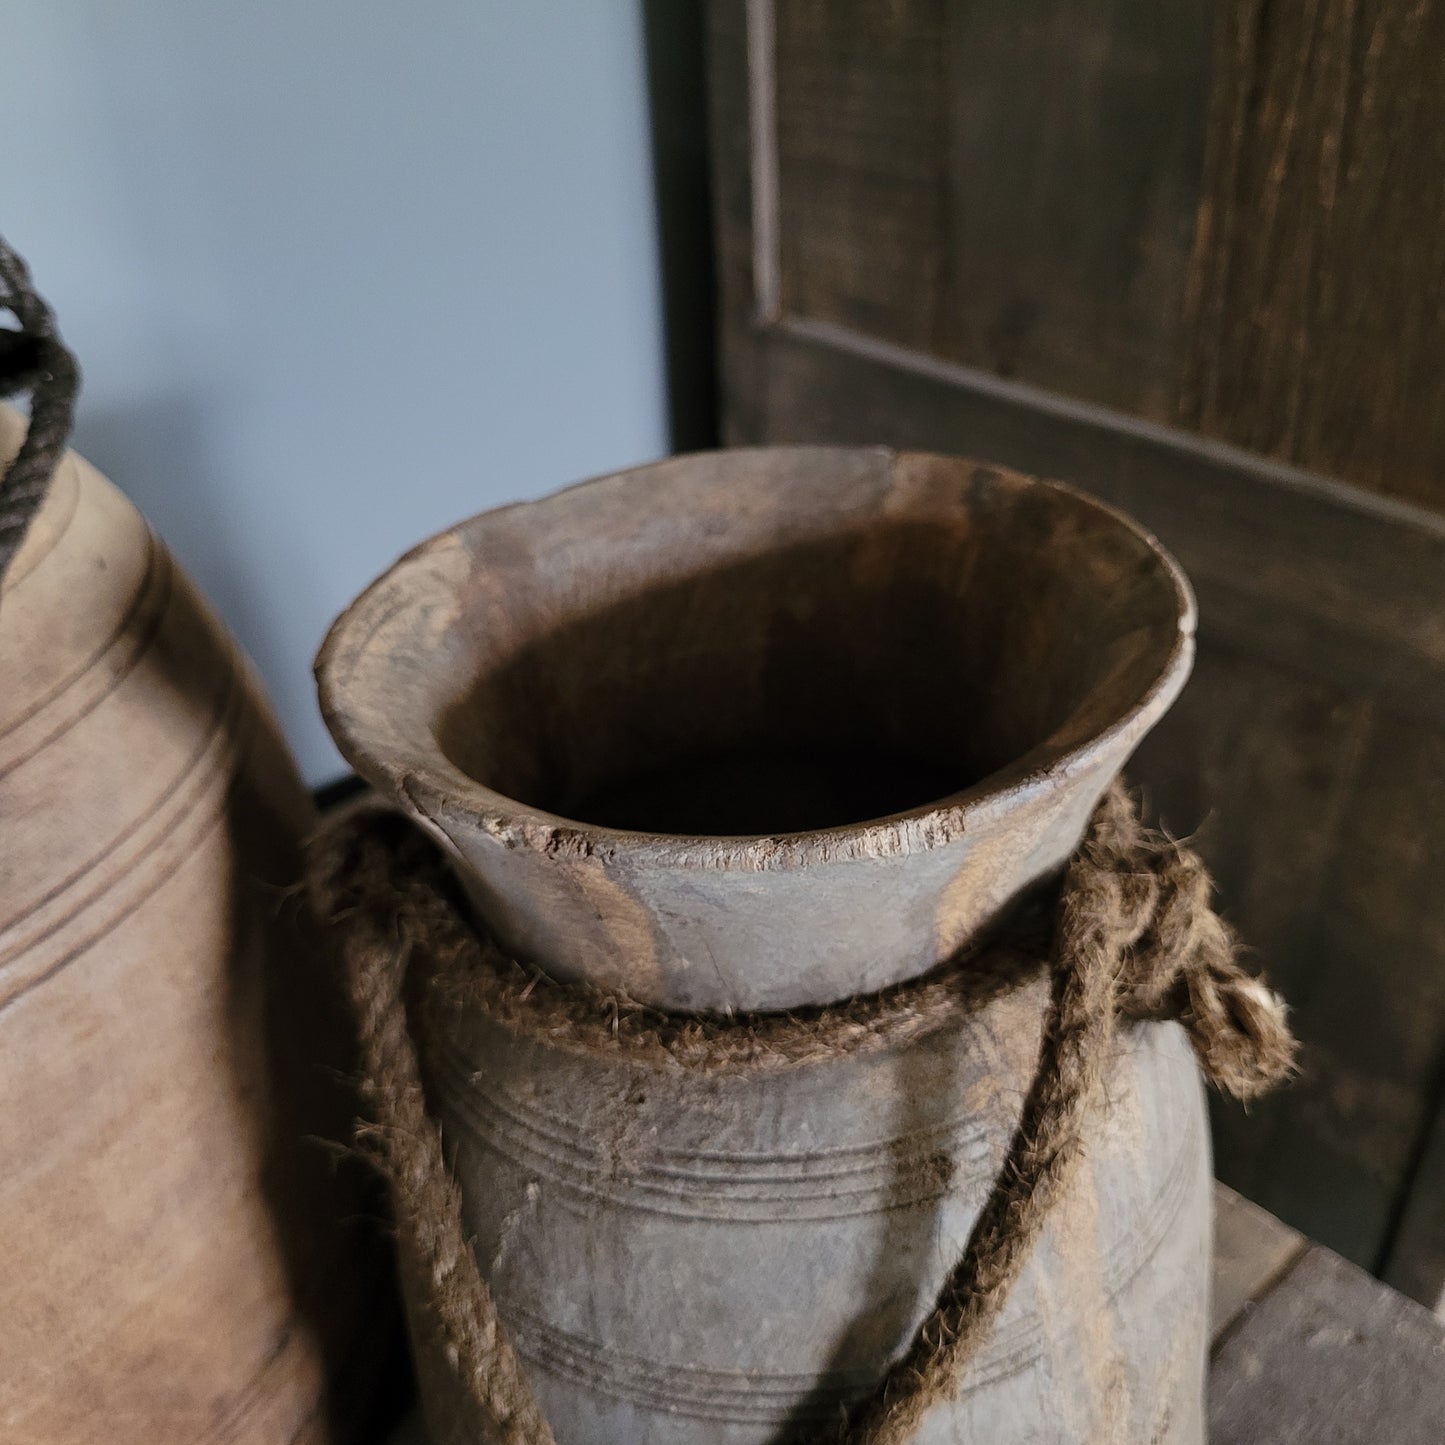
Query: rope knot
[(1175, 958)]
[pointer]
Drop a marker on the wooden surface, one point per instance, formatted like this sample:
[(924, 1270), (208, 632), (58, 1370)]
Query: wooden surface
[(1228, 213), (1315, 316), (174, 1267), (1307, 758), (1011, 187), (1307, 1349)]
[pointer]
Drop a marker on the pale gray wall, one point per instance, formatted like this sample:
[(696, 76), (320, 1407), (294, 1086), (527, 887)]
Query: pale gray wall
[(339, 272)]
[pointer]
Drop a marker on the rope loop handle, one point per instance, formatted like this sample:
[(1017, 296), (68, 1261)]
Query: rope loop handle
[(32, 359), (1133, 938)]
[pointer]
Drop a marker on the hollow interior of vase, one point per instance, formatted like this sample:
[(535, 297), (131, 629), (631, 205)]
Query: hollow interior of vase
[(845, 678)]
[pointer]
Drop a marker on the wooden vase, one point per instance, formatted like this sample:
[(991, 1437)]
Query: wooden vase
[(173, 1267), (765, 730)]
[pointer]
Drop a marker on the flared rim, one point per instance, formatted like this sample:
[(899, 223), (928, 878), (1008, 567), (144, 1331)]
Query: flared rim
[(421, 773)]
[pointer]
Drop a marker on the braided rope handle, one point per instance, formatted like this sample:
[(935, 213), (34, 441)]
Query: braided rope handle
[(32, 359)]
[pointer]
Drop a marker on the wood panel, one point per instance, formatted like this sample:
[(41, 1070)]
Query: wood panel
[(1010, 186), (1290, 744), (1309, 752), (862, 167), (1225, 214), (1317, 300)]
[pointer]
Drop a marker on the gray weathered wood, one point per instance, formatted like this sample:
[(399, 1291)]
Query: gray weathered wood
[(726, 648), (589, 697), (1329, 1357), (1252, 1250), (1355, 1341)]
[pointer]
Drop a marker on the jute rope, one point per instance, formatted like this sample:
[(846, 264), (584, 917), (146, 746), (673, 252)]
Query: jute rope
[(32, 359), (1132, 936)]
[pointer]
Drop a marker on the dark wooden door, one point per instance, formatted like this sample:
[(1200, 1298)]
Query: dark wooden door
[(1191, 256)]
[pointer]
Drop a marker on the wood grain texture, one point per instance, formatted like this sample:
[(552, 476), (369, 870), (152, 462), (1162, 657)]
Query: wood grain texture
[(862, 158), (1317, 292), (1329, 1357), (1011, 187), (1226, 214), (173, 1269), (818, 1212)]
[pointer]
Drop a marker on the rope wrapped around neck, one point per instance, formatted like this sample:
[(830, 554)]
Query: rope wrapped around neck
[(1133, 937)]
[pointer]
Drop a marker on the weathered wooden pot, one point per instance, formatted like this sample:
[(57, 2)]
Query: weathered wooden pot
[(172, 1269), (760, 730)]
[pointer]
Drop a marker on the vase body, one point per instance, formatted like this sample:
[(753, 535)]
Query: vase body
[(761, 730), (173, 1269), (682, 1261)]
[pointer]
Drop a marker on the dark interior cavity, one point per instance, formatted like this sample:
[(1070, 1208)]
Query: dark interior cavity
[(833, 682), (767, 790)]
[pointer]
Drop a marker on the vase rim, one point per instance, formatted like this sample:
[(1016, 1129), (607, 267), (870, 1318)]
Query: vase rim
[(438, 789)]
